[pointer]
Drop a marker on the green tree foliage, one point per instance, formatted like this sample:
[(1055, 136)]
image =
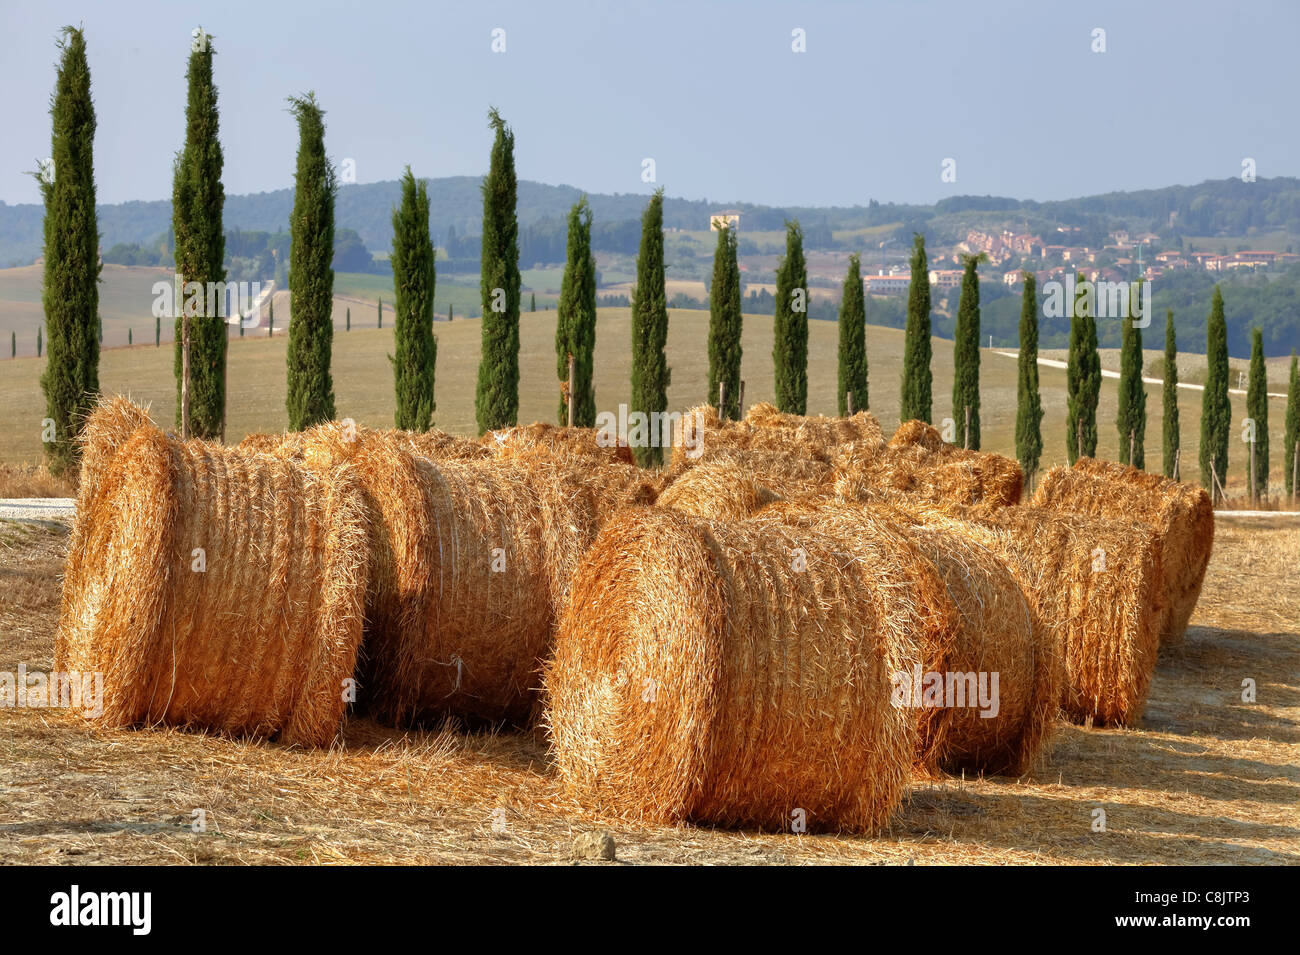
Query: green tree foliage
[(414, 278), (1257, 408), (966, 357), (496, 402), (725, 323), (918, 380), (1029, 401), (853, 342), (790, 325), (347, 320), (1131, 418), (198, 198), (575, 323), (650, 372), (1216, 411), (1169, 398), (1082, 376), (310, 398), (70, 290)]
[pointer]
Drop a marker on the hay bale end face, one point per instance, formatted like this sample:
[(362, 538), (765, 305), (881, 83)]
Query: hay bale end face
[(1181, 515), (700, 674), (220, 590)]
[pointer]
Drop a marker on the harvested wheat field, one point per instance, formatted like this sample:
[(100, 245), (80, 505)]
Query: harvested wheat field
[(1202, 777)]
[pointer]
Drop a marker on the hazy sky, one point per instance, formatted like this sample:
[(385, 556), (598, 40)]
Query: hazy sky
[(711, 90)]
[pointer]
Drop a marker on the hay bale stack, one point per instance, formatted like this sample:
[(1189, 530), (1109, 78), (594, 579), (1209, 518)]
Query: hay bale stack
[(918, 464), (575, 446), (729, 484), (1181, 515), (102, 435), (258, 638), (698, 675), (435, 444), (471, 561), (820, 431), (1098, 583), (987, 627)]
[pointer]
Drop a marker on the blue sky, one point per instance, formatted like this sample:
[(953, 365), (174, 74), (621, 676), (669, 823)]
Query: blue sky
[(711, 90)]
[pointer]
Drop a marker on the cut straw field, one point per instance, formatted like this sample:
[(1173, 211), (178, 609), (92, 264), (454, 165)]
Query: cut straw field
[(363, 384), (1201, 778)]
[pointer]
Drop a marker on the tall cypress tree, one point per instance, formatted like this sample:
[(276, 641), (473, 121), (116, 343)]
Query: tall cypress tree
[(496, 402), (1292, 426), (310, 398), (575, 322), (1169, 399), (725, 324), (1131, 418), (790, 325), (918, 379), (650, 372), (853, 341), (1257, 408), (70, 284), (1029, 401), (1216, 410), (1082, 376), (197, 201), (966, 357), (414, 276)]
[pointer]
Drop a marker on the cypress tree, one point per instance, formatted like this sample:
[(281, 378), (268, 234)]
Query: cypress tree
[(13, 344), (414, 276), (725, 323), (918, 379), (449, 310), (650, 372), (575, 322), (1169, 398), (966, 357), (380, 310), (197, 201), (1029, 401), (496, 401), (129, 338), (1131, 417), (70, 284), (1292, 427), (532, 302), (1257, 408), (347, 320), (790, 325), (1216, 410), (853, 341), (157, 331), (310, 398), (1082, 376), (270, 321)]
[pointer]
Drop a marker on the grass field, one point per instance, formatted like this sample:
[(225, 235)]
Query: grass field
[(363, 383), (1203, 778)]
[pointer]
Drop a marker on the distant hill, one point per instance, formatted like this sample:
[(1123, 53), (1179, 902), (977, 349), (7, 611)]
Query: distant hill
[(1227, 207)]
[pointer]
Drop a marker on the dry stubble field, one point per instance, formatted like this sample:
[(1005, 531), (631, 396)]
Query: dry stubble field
[(1204, 777)]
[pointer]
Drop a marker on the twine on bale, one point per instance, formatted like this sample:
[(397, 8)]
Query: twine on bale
[(1181, 516), (732, 673), (221, 590)]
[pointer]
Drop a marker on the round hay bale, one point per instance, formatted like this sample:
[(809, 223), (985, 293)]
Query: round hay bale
[(822, 432), (916, 433), (220, 590), (576, 446), (702, 433), (947, 476), (471, 561), (988, 632), (698, 674), (1182, 516), (732, 484), (102, 435), (1098, 583)]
